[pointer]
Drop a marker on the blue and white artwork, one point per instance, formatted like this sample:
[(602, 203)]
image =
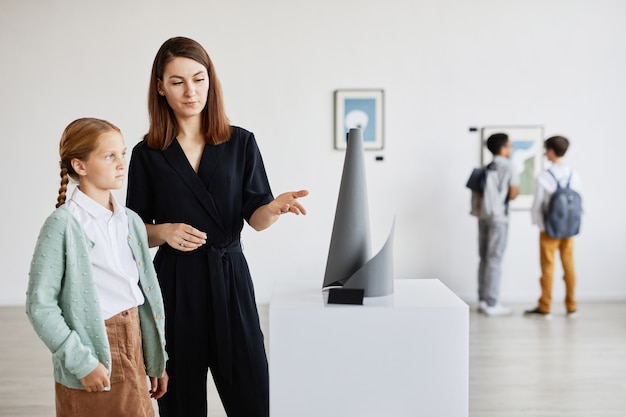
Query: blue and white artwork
[(359, 109), (524, 157), (360, 113)]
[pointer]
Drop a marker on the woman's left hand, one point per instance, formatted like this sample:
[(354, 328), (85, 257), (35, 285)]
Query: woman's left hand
[(288, 203), (266, 215)]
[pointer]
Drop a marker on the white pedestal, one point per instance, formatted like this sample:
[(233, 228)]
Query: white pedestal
[(401, 355)]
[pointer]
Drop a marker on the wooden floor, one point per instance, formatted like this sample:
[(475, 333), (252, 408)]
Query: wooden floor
[(518, 366)]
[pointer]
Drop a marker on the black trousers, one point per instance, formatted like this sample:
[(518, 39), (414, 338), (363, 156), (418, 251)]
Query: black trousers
[(246, 396), (197, 310)]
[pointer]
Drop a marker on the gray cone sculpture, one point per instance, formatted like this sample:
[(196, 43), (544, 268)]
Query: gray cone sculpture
[(349, 262)]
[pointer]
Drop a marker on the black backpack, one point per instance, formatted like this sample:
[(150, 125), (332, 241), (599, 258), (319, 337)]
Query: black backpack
[(562, 218), (487, 198)]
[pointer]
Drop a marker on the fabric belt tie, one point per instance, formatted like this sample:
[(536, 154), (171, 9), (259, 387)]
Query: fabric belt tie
[(220, 297)]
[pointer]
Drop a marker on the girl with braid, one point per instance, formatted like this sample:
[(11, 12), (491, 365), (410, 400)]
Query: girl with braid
[(93, 296)]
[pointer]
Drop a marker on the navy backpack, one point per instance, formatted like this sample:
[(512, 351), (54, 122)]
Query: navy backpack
[(562, 218)]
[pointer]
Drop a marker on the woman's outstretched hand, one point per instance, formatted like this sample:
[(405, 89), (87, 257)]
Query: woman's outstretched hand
[(288, 202), (266, 215)]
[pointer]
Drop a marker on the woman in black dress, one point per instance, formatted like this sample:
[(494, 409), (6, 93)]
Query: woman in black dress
[(194, 179)]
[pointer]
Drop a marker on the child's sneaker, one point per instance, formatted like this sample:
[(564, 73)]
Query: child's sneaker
[(482, 307), (537, 314), (572, 314), (498, 310)]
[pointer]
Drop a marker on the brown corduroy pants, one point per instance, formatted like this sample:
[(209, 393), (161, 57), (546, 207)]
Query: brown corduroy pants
[(129, 395)]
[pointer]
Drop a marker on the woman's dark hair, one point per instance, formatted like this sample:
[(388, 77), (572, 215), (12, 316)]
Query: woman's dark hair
[(163, 125)]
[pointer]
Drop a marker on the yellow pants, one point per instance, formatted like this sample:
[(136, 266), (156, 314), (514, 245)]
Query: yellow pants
[(547, 248)]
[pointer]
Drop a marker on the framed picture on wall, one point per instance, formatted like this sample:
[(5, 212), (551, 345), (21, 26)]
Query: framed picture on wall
[(361, 109), (527, 157)]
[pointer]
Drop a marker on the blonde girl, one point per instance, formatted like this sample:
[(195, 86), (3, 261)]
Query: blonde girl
[(93, 297)]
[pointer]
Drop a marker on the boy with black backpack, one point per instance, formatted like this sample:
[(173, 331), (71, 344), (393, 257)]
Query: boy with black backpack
[(556, 210), (501, 185)]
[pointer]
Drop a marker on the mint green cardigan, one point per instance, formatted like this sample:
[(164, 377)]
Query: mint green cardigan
[(63, 306)]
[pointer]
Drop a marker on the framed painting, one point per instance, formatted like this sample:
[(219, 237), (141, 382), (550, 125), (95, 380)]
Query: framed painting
[(527, 156), (361, 109)]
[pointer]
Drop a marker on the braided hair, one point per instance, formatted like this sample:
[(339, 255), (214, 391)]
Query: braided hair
[(79, 139)]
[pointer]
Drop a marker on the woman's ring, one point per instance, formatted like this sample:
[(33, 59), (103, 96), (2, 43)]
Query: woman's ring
[(183, 243)]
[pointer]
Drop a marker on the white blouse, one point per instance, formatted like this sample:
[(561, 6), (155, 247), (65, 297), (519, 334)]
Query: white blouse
[(114, 268)]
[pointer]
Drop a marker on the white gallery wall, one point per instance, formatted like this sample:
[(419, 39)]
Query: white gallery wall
[(445, 66)]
